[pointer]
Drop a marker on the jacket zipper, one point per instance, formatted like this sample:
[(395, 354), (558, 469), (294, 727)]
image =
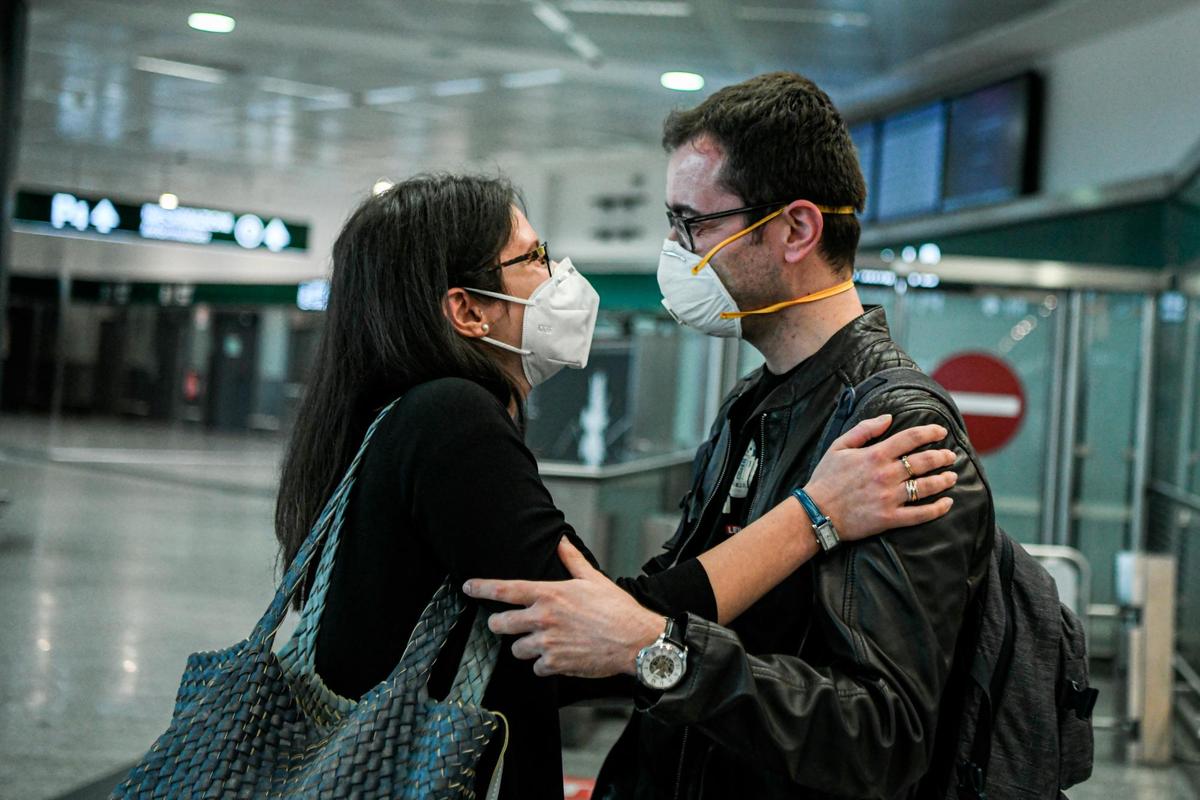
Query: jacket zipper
[(682, 753), (761, 478)]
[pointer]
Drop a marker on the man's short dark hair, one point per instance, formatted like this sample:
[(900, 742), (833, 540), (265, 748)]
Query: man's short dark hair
[(783, 140)]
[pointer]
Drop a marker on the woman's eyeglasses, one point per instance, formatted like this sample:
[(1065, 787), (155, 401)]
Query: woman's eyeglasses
[(540, 253)]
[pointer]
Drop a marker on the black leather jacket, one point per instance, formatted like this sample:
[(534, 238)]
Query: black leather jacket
[(846, 703)]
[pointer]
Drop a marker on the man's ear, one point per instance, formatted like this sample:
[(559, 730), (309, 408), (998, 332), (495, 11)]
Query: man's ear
[(802, 232), (466, 314)]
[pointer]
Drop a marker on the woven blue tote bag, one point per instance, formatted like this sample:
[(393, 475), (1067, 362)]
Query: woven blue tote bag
[(252, 723)]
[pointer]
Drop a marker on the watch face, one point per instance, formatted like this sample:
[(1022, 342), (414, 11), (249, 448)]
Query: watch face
[(826, 535), (660, 666)]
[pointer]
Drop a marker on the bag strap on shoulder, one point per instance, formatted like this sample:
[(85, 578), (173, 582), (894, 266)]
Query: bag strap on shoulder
[(326, 530), (854, 398)]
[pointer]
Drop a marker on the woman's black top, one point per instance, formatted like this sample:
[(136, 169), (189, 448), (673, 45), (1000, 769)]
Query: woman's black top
[(447, 486)]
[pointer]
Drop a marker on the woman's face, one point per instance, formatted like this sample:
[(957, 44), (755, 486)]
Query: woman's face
[(506, 319)]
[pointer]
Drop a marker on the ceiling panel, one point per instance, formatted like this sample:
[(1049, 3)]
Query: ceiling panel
[(308, 83)]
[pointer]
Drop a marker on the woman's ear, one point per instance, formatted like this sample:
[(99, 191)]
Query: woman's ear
[(466, 314), (805, 224)]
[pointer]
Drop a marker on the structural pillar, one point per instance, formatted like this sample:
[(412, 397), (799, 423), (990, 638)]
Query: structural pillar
[(14, 18)]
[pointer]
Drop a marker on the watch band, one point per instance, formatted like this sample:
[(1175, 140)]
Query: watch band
[(827, 535), (674, 632)]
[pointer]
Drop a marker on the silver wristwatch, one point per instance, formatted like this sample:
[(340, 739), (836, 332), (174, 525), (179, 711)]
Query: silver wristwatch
[(661, 665), (827, 535)]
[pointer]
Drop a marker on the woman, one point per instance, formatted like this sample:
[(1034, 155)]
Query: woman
[(431, 300)]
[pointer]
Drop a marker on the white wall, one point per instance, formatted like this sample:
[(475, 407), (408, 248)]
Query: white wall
[(1124, 106)]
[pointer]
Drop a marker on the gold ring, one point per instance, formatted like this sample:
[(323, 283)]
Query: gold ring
[(907, 466), (910, 486)]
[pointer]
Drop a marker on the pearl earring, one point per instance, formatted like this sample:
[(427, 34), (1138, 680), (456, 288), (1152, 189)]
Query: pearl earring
[(486, 328)]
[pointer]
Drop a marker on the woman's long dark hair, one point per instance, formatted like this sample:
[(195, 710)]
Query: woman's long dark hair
[(385, 331)]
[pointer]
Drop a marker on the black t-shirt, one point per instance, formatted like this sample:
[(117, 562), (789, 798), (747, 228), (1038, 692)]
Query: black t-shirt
[(765, 624), (732, 501), (448, 487)]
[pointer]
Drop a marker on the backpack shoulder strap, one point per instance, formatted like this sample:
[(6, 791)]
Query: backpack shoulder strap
[(991, 680), (855, 398)]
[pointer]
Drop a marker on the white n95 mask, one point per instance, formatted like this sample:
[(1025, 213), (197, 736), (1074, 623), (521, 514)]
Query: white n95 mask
[(694, 295), (560, 318), (695, 299)]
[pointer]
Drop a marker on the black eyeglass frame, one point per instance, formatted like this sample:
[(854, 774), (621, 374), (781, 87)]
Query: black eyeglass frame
[(539, 253), (674, 220)]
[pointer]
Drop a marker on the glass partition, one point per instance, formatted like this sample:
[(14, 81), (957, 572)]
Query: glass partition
[(643, 393)]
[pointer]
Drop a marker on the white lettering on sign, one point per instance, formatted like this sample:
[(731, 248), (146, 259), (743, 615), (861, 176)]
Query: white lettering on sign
[(987, 405), (313, 295), (248, 232), (183, 223), (67, 209), (276, 237), (104, 217)]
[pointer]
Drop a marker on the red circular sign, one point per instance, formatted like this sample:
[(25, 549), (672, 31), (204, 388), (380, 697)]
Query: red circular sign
[(989, 395), (578, 788)]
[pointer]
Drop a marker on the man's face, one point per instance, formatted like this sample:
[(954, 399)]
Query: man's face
[(746, 266)]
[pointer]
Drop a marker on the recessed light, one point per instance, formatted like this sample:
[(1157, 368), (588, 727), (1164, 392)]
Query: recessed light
[(168, 201), (211, 23), (682, 81)]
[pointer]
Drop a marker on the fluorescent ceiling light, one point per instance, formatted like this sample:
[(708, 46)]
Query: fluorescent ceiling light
[(629, 8), (390, 94), (180, 69), (551, 17), (528, 80), (457, 87), (805, 16), (211, 23), (307, 91), (168, 201), (682, 81)]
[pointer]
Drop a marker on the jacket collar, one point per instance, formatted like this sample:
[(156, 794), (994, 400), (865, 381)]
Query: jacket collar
[(841, 348)]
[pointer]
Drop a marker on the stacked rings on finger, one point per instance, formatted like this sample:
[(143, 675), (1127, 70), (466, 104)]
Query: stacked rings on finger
[(910, 486), (907, 466)]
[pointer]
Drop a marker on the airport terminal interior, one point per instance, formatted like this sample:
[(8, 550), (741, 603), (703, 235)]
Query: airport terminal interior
[(175, 173)]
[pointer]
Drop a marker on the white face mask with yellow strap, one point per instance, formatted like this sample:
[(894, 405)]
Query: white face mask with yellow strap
[(694, 295)]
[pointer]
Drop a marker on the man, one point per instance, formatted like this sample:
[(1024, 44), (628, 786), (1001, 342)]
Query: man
[(841, 680)]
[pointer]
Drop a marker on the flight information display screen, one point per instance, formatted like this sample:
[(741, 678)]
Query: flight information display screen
[(990, 155), (866, 141), (911, 150)]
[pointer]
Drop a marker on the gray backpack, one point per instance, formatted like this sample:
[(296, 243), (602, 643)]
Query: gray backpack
[(1025, 728)]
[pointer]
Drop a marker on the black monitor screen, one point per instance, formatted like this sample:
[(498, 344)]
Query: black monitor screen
[(988, 154), (866, 141), (910, 162)]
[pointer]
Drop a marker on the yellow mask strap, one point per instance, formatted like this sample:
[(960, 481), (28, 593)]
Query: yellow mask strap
[(808, 298), (823, 209)]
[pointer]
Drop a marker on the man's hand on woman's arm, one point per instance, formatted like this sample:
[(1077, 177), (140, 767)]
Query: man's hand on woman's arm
[(589, 627)]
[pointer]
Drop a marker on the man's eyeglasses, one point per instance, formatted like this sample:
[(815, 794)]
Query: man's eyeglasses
[(540, 253), (683, 225)]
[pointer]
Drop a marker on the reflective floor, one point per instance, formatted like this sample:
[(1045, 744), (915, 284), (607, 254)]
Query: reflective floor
[(124, 548)]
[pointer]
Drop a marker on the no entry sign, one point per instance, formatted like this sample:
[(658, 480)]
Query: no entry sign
[(988, 394)]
